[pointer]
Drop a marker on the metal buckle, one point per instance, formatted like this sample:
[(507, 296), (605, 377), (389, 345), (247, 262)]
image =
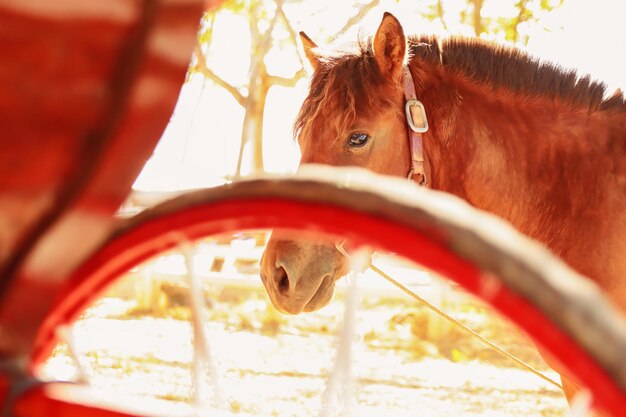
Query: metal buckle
[(422, 175), (409, 116)]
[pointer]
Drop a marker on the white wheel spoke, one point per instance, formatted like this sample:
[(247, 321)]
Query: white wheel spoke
[(65, 334), (580, 405), (340, 382), (203, 362)]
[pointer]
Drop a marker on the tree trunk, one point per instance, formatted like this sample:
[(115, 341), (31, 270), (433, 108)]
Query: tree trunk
[(477, 20), (252, 130), (255, 103), (246, 128), (257, 135)]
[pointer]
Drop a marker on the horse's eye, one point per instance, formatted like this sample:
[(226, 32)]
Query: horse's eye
[(356, 140)]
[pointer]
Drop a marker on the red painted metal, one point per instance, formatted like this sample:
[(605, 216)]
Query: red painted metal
[(164, 233)]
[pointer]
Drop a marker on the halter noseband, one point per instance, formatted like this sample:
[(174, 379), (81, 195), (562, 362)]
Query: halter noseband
[(417, 124)]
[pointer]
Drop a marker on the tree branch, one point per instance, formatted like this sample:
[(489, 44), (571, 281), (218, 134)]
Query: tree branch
[(440, 13), (202, 67), (286, 82), (476, 17), (521, 9), (292, 33), (363, 10)]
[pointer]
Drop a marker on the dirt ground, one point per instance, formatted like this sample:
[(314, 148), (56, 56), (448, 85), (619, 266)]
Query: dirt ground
[(406, 362)]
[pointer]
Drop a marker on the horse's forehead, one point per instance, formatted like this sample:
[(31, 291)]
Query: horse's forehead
[(356, 95), (342, 94)]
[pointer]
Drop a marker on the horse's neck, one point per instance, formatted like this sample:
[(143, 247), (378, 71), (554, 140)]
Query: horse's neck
[(538, 164), (509, 155)]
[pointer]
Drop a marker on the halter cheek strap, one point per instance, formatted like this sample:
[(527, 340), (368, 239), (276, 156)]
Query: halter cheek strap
[(417, 125)]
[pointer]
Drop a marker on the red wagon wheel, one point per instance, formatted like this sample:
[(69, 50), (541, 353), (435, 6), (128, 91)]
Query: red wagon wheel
[(565, 314)]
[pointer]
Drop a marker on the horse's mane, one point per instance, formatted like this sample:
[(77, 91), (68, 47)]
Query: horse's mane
[(514, 69), (338, 86)]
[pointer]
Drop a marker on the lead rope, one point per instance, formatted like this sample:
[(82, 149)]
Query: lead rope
[(454, 321)]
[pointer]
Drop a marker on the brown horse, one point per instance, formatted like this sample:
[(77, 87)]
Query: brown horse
[(525, 140)]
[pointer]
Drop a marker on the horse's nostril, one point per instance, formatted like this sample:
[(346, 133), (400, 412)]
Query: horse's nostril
[(283, 280)]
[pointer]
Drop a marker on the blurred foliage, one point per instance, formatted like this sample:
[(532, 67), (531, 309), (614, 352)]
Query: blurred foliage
[(472, 16), (455, 16)]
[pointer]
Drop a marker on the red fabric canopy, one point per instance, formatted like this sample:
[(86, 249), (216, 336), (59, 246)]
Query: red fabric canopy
[(86, 89)]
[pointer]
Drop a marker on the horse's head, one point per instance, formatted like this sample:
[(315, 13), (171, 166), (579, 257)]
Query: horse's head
[(353, 115)]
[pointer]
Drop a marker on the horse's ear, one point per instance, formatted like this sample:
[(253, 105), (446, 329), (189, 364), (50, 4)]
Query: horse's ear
[(307, 46), (390, 47)]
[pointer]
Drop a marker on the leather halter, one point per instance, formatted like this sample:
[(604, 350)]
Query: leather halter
[(417, 124)]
